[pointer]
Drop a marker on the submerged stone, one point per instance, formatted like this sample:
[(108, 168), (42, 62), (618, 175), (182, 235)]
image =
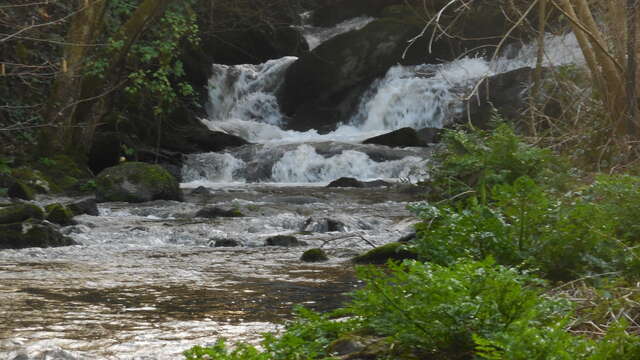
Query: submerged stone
[(226, 243), (284, 240), (314, 255), (212, 212), (136, 182), (346, 182), (405, 137)]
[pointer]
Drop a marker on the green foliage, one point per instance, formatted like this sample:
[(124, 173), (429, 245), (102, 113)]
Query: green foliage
[(305, 338), (475, 162), (88, 186), (436, 310), (5, 168)]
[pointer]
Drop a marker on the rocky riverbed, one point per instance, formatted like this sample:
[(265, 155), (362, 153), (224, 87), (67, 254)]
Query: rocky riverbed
[(146, 281)]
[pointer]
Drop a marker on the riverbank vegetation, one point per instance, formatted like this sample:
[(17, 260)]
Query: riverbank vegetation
[(519, 256)]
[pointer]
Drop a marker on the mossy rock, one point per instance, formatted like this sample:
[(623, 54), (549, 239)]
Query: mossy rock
[(20, 190), (284, 240), (136, 182), (59, 214), (20, 212), (33, 178), (382, 254), (314, 255), (86, 206), (31, 233), (63, 173), (212, 212)]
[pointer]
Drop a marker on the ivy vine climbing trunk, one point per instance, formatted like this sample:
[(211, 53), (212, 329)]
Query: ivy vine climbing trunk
[(66, 91)]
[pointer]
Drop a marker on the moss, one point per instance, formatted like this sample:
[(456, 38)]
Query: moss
[(382, 254), (136, 182), (59, 214), (31, 233), (20, 212), (63, 173), (20, 190), (314, 255), (33, 178)]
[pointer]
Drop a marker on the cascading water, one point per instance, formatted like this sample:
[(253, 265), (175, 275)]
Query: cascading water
[(146, 283), (243, 102)]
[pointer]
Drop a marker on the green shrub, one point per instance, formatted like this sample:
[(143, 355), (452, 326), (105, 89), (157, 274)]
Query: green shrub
[(436, 310), (475, 162)]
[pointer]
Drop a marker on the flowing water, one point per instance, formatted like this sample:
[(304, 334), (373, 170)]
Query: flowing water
[(147, 283)]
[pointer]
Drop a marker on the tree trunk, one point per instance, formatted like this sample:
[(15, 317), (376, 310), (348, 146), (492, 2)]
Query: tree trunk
[(61, 106), (632, 68), (94, 111)]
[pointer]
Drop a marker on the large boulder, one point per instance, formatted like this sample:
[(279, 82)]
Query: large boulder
[(504, 92), (136, 182), (15, 213), (31, 233), (405, 137), (318, 82), (59, 214), (332, 12)]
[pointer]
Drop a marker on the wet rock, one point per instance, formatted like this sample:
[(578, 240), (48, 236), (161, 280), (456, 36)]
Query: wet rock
[(504, 92), (346, 345), (382, 254), (405, 137), (86, 206), (32, 233), (321, 80), (20, 212), (284, 240), (59, 214), (314, 255), (20, 190), (376, 183), (226, 243), (430, 135), (212, 212), (201, 190), (346, 182), (335, 12), (136, 182), (324, 225)]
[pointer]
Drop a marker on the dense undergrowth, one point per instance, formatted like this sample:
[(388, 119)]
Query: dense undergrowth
[(519, 257)]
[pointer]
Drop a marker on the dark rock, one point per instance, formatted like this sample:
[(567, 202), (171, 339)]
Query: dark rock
[(86, 206), (345, 345), (335, 12), (284, 240), (376, 183), (201, 190), (324, 225), (405, 137), (136, 182), (314, 255), (382, 254), (226, 243), (59, 214), (20, 190), (319, 81), (105, 151), (16, 213), (346, 182), (503, 92), (430, 135), (31, 233), (212, 212), (6, 180)]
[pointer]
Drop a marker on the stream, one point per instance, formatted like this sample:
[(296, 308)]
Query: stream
[(146, 281)]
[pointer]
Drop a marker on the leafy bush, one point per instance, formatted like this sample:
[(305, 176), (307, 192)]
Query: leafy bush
[(305, 338), (436, 310), (479, 160)]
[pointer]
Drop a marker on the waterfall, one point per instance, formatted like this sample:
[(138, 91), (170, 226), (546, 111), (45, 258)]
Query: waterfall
[(243, 102)]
